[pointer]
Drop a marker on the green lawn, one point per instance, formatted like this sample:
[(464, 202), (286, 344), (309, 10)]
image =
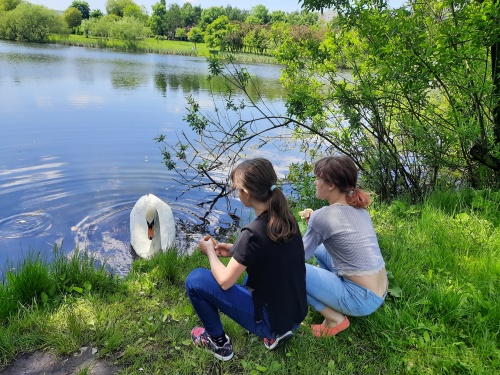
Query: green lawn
[(442, 315)]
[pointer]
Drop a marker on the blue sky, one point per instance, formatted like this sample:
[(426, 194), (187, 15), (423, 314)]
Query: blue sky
[(286, 6)]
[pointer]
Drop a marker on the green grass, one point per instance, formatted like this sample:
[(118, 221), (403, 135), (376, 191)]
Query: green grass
[(151, 45), (442, 315)]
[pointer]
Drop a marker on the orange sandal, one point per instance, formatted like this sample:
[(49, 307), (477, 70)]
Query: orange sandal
[(320, 330)]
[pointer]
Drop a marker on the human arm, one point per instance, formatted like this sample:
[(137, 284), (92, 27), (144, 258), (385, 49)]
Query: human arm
[(226, 276), (311, 239)]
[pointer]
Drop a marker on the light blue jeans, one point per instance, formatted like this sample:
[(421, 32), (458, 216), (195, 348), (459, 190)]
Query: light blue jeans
[(327, 289)]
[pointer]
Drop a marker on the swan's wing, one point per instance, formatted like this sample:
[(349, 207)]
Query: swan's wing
[(167, 224)]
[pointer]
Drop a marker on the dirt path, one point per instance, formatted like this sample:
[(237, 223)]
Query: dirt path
[(41, 363)]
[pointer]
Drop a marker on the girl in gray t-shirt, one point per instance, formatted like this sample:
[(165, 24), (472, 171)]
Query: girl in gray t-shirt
[(351, 278)]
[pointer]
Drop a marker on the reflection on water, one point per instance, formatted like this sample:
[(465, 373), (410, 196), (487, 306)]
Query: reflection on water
[(127, 80), (77, 150)]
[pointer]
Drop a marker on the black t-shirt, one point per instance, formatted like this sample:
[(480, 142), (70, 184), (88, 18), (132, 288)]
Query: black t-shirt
[(276, 274)]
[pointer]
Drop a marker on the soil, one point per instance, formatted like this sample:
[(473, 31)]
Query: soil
[(42, 363)]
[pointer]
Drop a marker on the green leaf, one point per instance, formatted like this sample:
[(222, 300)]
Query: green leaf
[(77, 289), (87, 285), (395, 291)]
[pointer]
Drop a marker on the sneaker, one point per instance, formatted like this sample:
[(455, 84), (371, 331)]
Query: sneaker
[(272, 344), (200, 337)]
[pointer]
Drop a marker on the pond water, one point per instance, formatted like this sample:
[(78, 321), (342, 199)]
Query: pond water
[(77, 150)]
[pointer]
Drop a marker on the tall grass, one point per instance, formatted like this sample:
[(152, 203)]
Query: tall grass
[(442, 314), (444, 257), (37, 280)]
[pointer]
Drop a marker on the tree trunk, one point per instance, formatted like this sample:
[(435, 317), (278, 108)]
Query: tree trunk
[(480, 151), (495, 71)]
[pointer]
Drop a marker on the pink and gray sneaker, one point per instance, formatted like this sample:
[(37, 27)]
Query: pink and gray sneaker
[(201, 338)]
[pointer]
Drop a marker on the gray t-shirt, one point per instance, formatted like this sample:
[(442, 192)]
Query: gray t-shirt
[(348, 235)]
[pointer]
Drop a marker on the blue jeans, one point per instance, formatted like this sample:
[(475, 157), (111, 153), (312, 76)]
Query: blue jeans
[(208, 298), (327, 289)]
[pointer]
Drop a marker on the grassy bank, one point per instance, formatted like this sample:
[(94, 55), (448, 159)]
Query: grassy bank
[(151, 45), (442, 315)]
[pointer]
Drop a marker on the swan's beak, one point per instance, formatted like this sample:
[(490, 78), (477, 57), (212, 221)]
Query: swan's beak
[(151, 230)]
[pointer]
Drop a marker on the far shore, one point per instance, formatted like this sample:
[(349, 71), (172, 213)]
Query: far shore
[(153, 45)]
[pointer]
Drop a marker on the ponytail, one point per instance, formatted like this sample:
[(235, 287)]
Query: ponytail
[(282, 224), (358, 198)]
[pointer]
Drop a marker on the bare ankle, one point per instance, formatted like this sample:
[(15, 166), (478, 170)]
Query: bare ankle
[(332, 323)]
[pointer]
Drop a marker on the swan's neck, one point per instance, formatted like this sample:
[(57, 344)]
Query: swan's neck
[(156, 241)]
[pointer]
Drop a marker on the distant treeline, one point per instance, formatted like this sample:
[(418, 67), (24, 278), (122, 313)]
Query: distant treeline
[(225, 28)]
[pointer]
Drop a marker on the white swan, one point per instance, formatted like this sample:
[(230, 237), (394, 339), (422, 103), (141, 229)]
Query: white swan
[(152, 226)]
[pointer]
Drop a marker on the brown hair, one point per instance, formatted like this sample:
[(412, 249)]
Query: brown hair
[(259, 179), (342, 172)]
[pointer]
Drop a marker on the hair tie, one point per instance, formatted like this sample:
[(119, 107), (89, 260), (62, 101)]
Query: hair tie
[(272, 188)]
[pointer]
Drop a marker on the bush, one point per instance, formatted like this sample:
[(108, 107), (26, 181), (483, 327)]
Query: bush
[(31, 23)]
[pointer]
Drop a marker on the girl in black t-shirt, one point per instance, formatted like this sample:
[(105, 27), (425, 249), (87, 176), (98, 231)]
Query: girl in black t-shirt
[(272, 303)]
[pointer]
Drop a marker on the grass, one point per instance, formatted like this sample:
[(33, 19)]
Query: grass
[(151, 45), (442, 315)]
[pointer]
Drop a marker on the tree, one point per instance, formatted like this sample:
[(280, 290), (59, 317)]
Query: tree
[(235, 37), (117, 7), (216, 32), (259, 15), (173, 19), (180, 33), (209, 15), (83, 7), (277, 16), (256, 40), (236, 14), (31, 23), (73, 17), (96, 13), (303, 17), (130, 30), (195, 35), (157, 21), (190, 14), (416, 109), (100, 27), (137, 12)]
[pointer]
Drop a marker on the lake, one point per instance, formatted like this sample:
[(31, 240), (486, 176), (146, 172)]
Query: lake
[(77, 149)]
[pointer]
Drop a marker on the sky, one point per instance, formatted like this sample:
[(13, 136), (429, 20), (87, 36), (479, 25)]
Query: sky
[(286, 6)]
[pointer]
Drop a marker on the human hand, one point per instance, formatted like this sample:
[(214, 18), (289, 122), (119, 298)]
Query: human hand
[(223, 250), (207, 244), (306, 214)]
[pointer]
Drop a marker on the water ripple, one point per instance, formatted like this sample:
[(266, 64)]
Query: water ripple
[(25, 224)]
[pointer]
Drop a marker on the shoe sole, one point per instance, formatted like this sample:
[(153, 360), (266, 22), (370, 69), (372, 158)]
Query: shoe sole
[(218, 356), (280, 341)]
